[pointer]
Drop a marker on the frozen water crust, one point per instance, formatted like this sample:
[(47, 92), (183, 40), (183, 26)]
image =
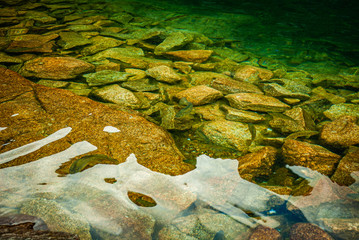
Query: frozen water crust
[(214, 182)]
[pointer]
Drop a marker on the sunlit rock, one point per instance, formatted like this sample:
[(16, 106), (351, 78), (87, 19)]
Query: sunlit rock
[(197, 56), (41, 111), (234, 114), (345, 228), (100, 43), (200, 95), (205, 78), (342, 109), (55, 68), (256, 102), (309, 155), (106, 77), (342, 132), (229, 134), (251, 74), (164, 73), (229, 86)]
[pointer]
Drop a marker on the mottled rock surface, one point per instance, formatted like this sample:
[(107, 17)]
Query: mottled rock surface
[(228, 86), (348, 164), (200, 95), (164, 74), (265, 233), (344, 228), (42, 111), (256, 102), (251, 73), (55, 68), (300, 231), (105, 77), (309, 155), (32, 43), (234, 114), (197, 56), (342, 132), (257, 164), (342, 109)]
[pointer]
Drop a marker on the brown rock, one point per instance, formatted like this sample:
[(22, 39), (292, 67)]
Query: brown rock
[(257, 164), (197, 56), (101, 43), (276, 90), (234, 114), (55, 67), (43, 111), (251, 73), (164, 73), (173, 40), (26, 231), (342, 132), (301, 231), (256, 102), (347, 228), (228, 86), (72, 39), (334, 99), (32, 43), (265, 233), (200, 95), (309, 155), (347, 165), (205, 78)]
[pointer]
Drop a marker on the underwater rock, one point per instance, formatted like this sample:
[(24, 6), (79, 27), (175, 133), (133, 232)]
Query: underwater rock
[(233, 114), (32, 43), (55, 68), (43, 111), (348, 164), (276, 90), (40, 17), (116, 94), (56, 217), (309, 155), (257, 164), (196, 56), (265, 233), (25, 231), (53, 83), (173, 41), (200, 95), (141, 85), (118, 53), (172, 232), (84, 28), (256, 102), (210, 111), (334, 99), (206, 78), (105, 77), (4, 58), (228, 134), (301, 231), (344, 228), (342, 109), (164, 73), (251, 74), (100, 43), (341, 132), (72, 39), (229, 86)]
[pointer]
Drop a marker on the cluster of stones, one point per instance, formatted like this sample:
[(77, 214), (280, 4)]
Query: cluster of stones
[(234, 98)]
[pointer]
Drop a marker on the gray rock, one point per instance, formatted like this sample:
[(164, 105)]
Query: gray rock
[(116, 94), (345, 228), (106, 77), (57, 217)]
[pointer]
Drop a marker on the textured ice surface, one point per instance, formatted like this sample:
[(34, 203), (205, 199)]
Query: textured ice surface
[(215, 182)]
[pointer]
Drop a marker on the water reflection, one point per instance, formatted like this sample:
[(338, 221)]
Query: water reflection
[(87, 201)]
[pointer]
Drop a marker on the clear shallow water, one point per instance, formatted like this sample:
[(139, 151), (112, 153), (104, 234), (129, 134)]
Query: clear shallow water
[(85, 199)]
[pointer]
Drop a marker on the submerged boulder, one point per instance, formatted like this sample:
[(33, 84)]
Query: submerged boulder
[(31, 112)]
